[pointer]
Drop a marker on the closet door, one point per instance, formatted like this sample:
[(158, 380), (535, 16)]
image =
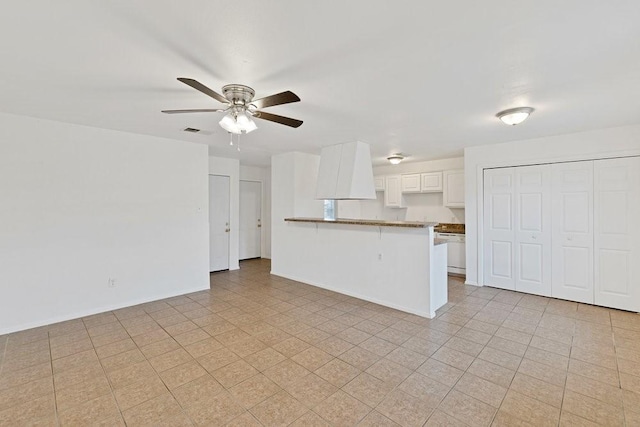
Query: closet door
[(572, 229), (498, 228), (617, 234), (533, 229)]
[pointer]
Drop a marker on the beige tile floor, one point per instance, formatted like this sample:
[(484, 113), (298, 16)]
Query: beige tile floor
[(261, 350)]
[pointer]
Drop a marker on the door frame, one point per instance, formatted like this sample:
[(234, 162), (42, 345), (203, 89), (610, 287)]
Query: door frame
[(262, 203)]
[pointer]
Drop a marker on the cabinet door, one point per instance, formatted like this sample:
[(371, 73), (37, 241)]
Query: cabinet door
[(378, 183), (572, 230), (499, 234), (393, 193), (453, 189), (617, 235), (410, 183), (431, 182), (533, 229)]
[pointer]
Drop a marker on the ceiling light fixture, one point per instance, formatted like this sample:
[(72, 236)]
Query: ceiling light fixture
[(396, 158), (514, 116), (238, 121)]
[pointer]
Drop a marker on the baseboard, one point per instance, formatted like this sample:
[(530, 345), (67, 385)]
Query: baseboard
[(96, 310), (468, 282), (356, 295)]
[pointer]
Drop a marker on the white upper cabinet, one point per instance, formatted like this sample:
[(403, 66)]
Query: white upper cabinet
[(378, 183), (410, 183), (453, 196), (431, 182), (393, 192)]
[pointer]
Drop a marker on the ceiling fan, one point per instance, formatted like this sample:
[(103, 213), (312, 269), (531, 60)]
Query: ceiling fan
[(241, 107)]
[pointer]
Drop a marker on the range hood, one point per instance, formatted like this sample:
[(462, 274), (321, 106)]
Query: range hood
[(346, 173)]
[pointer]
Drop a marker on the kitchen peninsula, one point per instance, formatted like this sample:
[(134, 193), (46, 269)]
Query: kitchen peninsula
[(393, 263)]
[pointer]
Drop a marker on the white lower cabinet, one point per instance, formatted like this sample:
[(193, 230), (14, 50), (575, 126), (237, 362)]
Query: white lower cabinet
[(565, 230)]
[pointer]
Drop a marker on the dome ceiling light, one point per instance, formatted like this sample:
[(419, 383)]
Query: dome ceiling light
[(515, 116), (396, 158)]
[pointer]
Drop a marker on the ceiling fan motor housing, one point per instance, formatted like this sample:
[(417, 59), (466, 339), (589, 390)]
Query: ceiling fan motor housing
[(238, 94)]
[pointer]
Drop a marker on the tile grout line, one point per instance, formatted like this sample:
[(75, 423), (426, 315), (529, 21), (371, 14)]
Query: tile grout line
[(53, 381)]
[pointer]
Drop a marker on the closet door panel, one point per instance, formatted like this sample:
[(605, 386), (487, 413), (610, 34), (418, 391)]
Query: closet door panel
[(499, 228), (533, 229), (617, 235), (572, 230)]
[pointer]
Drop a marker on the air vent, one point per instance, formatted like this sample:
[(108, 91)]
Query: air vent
[(192, 130)]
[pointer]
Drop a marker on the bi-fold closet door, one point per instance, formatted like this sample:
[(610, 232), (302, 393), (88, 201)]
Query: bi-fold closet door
[(586, 246), (517, 228)]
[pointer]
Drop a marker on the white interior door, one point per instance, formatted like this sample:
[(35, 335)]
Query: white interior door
[(617, 235), (572, 228), (218, 222), (532, 258), (499, 234), (250, 219)]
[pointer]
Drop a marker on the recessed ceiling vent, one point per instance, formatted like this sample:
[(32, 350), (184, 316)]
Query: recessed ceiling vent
[(192, 130)]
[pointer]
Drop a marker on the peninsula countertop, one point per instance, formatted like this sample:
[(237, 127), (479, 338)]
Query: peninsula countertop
[(366, 222)]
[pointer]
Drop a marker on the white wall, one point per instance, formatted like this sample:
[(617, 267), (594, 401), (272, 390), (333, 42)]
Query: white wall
[(420, 207), (603, 143), (262, 175), (80, 205), (293, 183), (231, 168)]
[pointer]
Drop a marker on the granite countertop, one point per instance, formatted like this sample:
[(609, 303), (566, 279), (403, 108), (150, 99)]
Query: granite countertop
[(444, 227), (369, 222)]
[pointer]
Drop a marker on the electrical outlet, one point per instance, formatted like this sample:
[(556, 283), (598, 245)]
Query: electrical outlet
[(111, 283)]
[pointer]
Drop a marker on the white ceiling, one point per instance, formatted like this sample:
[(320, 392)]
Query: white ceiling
[(420, 77)]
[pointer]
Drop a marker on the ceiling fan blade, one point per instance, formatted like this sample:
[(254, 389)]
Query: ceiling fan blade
[(277, 99), (202, 88), (287, 121), (205, 110)]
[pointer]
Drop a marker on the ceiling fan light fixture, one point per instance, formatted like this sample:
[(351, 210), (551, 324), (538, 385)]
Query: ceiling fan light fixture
[(396, 158), (238, 123), (515, 116)]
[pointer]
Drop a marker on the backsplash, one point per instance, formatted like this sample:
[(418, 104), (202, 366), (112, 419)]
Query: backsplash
[(427, 207)]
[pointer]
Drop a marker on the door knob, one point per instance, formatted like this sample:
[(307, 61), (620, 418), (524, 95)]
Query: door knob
[(226, 230), (259, 225)]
